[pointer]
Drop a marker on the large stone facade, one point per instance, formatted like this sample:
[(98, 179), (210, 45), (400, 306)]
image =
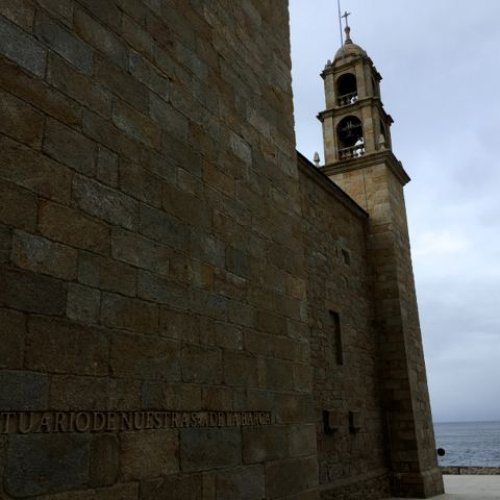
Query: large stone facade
[(187, 311)]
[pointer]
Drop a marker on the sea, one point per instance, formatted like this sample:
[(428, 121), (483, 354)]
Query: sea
[(475, 444)]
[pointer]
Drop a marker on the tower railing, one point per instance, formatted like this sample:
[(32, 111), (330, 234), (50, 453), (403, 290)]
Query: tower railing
[(352, 152), (347, 99)]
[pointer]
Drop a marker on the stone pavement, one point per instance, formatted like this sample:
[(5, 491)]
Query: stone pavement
[(470, 487)]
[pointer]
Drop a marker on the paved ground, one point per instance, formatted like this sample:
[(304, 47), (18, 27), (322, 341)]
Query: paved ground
[(468, 487)]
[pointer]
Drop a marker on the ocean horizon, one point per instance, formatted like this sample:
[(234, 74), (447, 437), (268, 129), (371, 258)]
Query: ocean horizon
[(471, 444)]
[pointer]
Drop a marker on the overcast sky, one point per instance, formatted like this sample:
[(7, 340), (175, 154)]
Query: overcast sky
[(440, 64)]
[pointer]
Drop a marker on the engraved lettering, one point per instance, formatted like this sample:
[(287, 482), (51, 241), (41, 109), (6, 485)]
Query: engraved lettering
[(72, 421), (126, 420), (237, 419), (167, 420), (194, 420), (175, 419), (203, 419), (60, 422), (149, 420), (26, 423), (99, 421), (213, 419), (82, 421), (139, 421), (157, 420), (111, 421), (45, 424), (7, 419), (221, 419)]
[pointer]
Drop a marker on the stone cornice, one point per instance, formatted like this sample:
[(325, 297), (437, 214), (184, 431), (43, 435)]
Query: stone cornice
[(386, 157), (359, 104), (343, 63)]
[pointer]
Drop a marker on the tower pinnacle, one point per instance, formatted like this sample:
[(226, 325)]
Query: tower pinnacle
[(347, 28)]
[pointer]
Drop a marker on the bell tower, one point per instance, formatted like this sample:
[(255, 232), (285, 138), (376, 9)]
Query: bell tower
[(359, 158), (355, 122)]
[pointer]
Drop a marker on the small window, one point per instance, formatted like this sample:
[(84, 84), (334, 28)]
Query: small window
[(354, 422), (347, 257), (336, 338)]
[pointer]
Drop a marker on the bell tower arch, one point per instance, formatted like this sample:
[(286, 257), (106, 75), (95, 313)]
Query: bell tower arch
[(359, 158)]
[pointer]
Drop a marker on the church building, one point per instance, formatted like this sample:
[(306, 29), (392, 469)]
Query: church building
[(359, 159), (189, 308)]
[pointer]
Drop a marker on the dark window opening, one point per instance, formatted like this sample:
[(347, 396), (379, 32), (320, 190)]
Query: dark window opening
[(349, 131), (347, 89), (382, 140), (346, 256), (350, 138), (354, 422), (337, 338)]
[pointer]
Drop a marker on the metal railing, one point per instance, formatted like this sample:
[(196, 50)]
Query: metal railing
[(352, 152), (347, 99)]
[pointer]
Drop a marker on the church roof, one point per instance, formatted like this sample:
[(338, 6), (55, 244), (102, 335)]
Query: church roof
[(349, 48)]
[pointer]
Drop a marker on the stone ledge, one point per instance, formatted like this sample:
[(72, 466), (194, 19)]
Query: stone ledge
[(382, 157), (470, 470)]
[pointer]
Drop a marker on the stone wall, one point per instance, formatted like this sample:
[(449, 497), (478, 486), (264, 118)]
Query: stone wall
[(376, 183), (335, 242), (152, 256)]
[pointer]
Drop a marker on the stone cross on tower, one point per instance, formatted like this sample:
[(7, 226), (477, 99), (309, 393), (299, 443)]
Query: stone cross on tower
[(347, 28), (345, 16)]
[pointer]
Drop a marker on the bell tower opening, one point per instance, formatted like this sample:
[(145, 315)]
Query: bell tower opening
[(347, 89), (350, 138)]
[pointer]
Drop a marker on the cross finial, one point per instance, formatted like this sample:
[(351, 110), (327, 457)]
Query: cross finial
[(345, 16), (347, 28)]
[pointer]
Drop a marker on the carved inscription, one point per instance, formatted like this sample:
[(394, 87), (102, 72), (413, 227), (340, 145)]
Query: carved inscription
[(25, 422)]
